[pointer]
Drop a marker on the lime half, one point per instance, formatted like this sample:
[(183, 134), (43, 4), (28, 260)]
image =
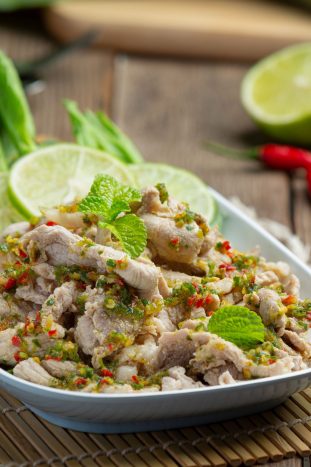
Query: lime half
[(181, 184), (59, 174), (277, 94)]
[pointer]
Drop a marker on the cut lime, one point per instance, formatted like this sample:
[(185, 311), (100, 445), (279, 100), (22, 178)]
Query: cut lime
[(8, 214), (59, 174), (183, 185), (277, 94)]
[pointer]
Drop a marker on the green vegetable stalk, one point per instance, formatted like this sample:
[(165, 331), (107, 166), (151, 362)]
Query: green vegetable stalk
[(17, 130), (96, 130)]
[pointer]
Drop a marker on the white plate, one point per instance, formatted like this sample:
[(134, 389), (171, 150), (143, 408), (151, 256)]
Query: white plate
[(117, 413)]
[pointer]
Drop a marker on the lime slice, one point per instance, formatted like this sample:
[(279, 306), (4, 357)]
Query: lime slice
[(8, 214), (277, 94), (59, 174), (183, 185)]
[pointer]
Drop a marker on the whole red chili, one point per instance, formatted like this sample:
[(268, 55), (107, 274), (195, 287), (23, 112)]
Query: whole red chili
[(275, 156)]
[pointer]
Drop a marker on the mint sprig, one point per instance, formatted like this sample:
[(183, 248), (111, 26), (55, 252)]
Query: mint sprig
[(111, 202), (239, 325)]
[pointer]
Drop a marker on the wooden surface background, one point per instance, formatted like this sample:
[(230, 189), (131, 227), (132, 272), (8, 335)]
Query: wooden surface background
[(168, 107)]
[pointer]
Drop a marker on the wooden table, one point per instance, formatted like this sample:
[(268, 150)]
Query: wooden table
[(168, 107)]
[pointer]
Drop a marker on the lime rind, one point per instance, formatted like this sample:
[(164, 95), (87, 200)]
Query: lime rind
[(279, 105), (57, 175)]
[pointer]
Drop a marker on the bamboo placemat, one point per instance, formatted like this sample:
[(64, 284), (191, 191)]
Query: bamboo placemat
[(27, 440)]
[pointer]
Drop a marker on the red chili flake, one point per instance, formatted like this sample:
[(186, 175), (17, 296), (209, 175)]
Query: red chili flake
[(104, 381), (227, 267), (27, 323), (80, 381), (10, 283), (135, 379), (106, 372), (226, 245), (289, 300), (16, 341), (271, 361), (22, 254), (23, 278), (50, 357), (209, 313), (17, 357), (191, 301), (199, 302), (110, 347), (52, 332), (50, 223), (174, 241), (208, 299)]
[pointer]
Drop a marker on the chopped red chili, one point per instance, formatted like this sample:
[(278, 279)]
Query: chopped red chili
[(80, 381), (52, 332), (227, 267), (16, 341), (51, 223), (106, 372), (135, 379), (199, 302), (289, 300), (23, 278), (50, 357), (10, 283), (22, 254)]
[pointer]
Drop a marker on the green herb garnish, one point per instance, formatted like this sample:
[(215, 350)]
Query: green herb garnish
[(110, 202), (238, 325)]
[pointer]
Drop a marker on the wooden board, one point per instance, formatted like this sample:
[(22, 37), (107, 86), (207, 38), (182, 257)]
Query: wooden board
[(234, 29)]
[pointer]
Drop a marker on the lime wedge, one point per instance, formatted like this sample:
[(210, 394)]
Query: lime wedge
[(8, 214), (277, 94), (59, 174), (181, 184)]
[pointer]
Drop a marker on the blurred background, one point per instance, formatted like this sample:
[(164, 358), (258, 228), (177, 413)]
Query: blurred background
[(169, 74)]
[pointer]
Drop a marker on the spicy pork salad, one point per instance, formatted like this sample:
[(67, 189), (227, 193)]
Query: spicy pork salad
[(128, 291)]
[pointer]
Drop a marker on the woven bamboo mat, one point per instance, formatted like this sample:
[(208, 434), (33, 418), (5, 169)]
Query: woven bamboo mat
[(26, 440)]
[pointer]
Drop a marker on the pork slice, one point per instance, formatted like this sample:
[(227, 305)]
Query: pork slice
[(143, 355), (297, 342), (61, 300), (62, 247), (222, 287), (59, 369), (44, 270), (266, 278), (224, 374), (175, 349), (293, 324), (32, 371), (9, 307), (15, 230), (271, 309), (85, 335), (280, 367), (178, 380), (292, 285), (151, 203), (226, 378), (280, 268), (176, 277), (210, 240), (31, 293), (161, 232)]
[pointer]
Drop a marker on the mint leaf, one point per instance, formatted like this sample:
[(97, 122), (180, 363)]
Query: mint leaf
[(239, 325), (130, 230), (108, 199)]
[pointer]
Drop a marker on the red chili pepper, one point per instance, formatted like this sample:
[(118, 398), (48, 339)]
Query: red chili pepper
[(49, 357), (135, 379), (209, 313), (23, 278), (226, 245), (10, 283), (190, 301), (110, 347), (52, 332), (80, 381), (17, 341), (106, 372), (199, 303), (38, 317), (275, 156), (22, 254), (289, 300), (271, 361), (208, 299), (51, 223), (227, 267)]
